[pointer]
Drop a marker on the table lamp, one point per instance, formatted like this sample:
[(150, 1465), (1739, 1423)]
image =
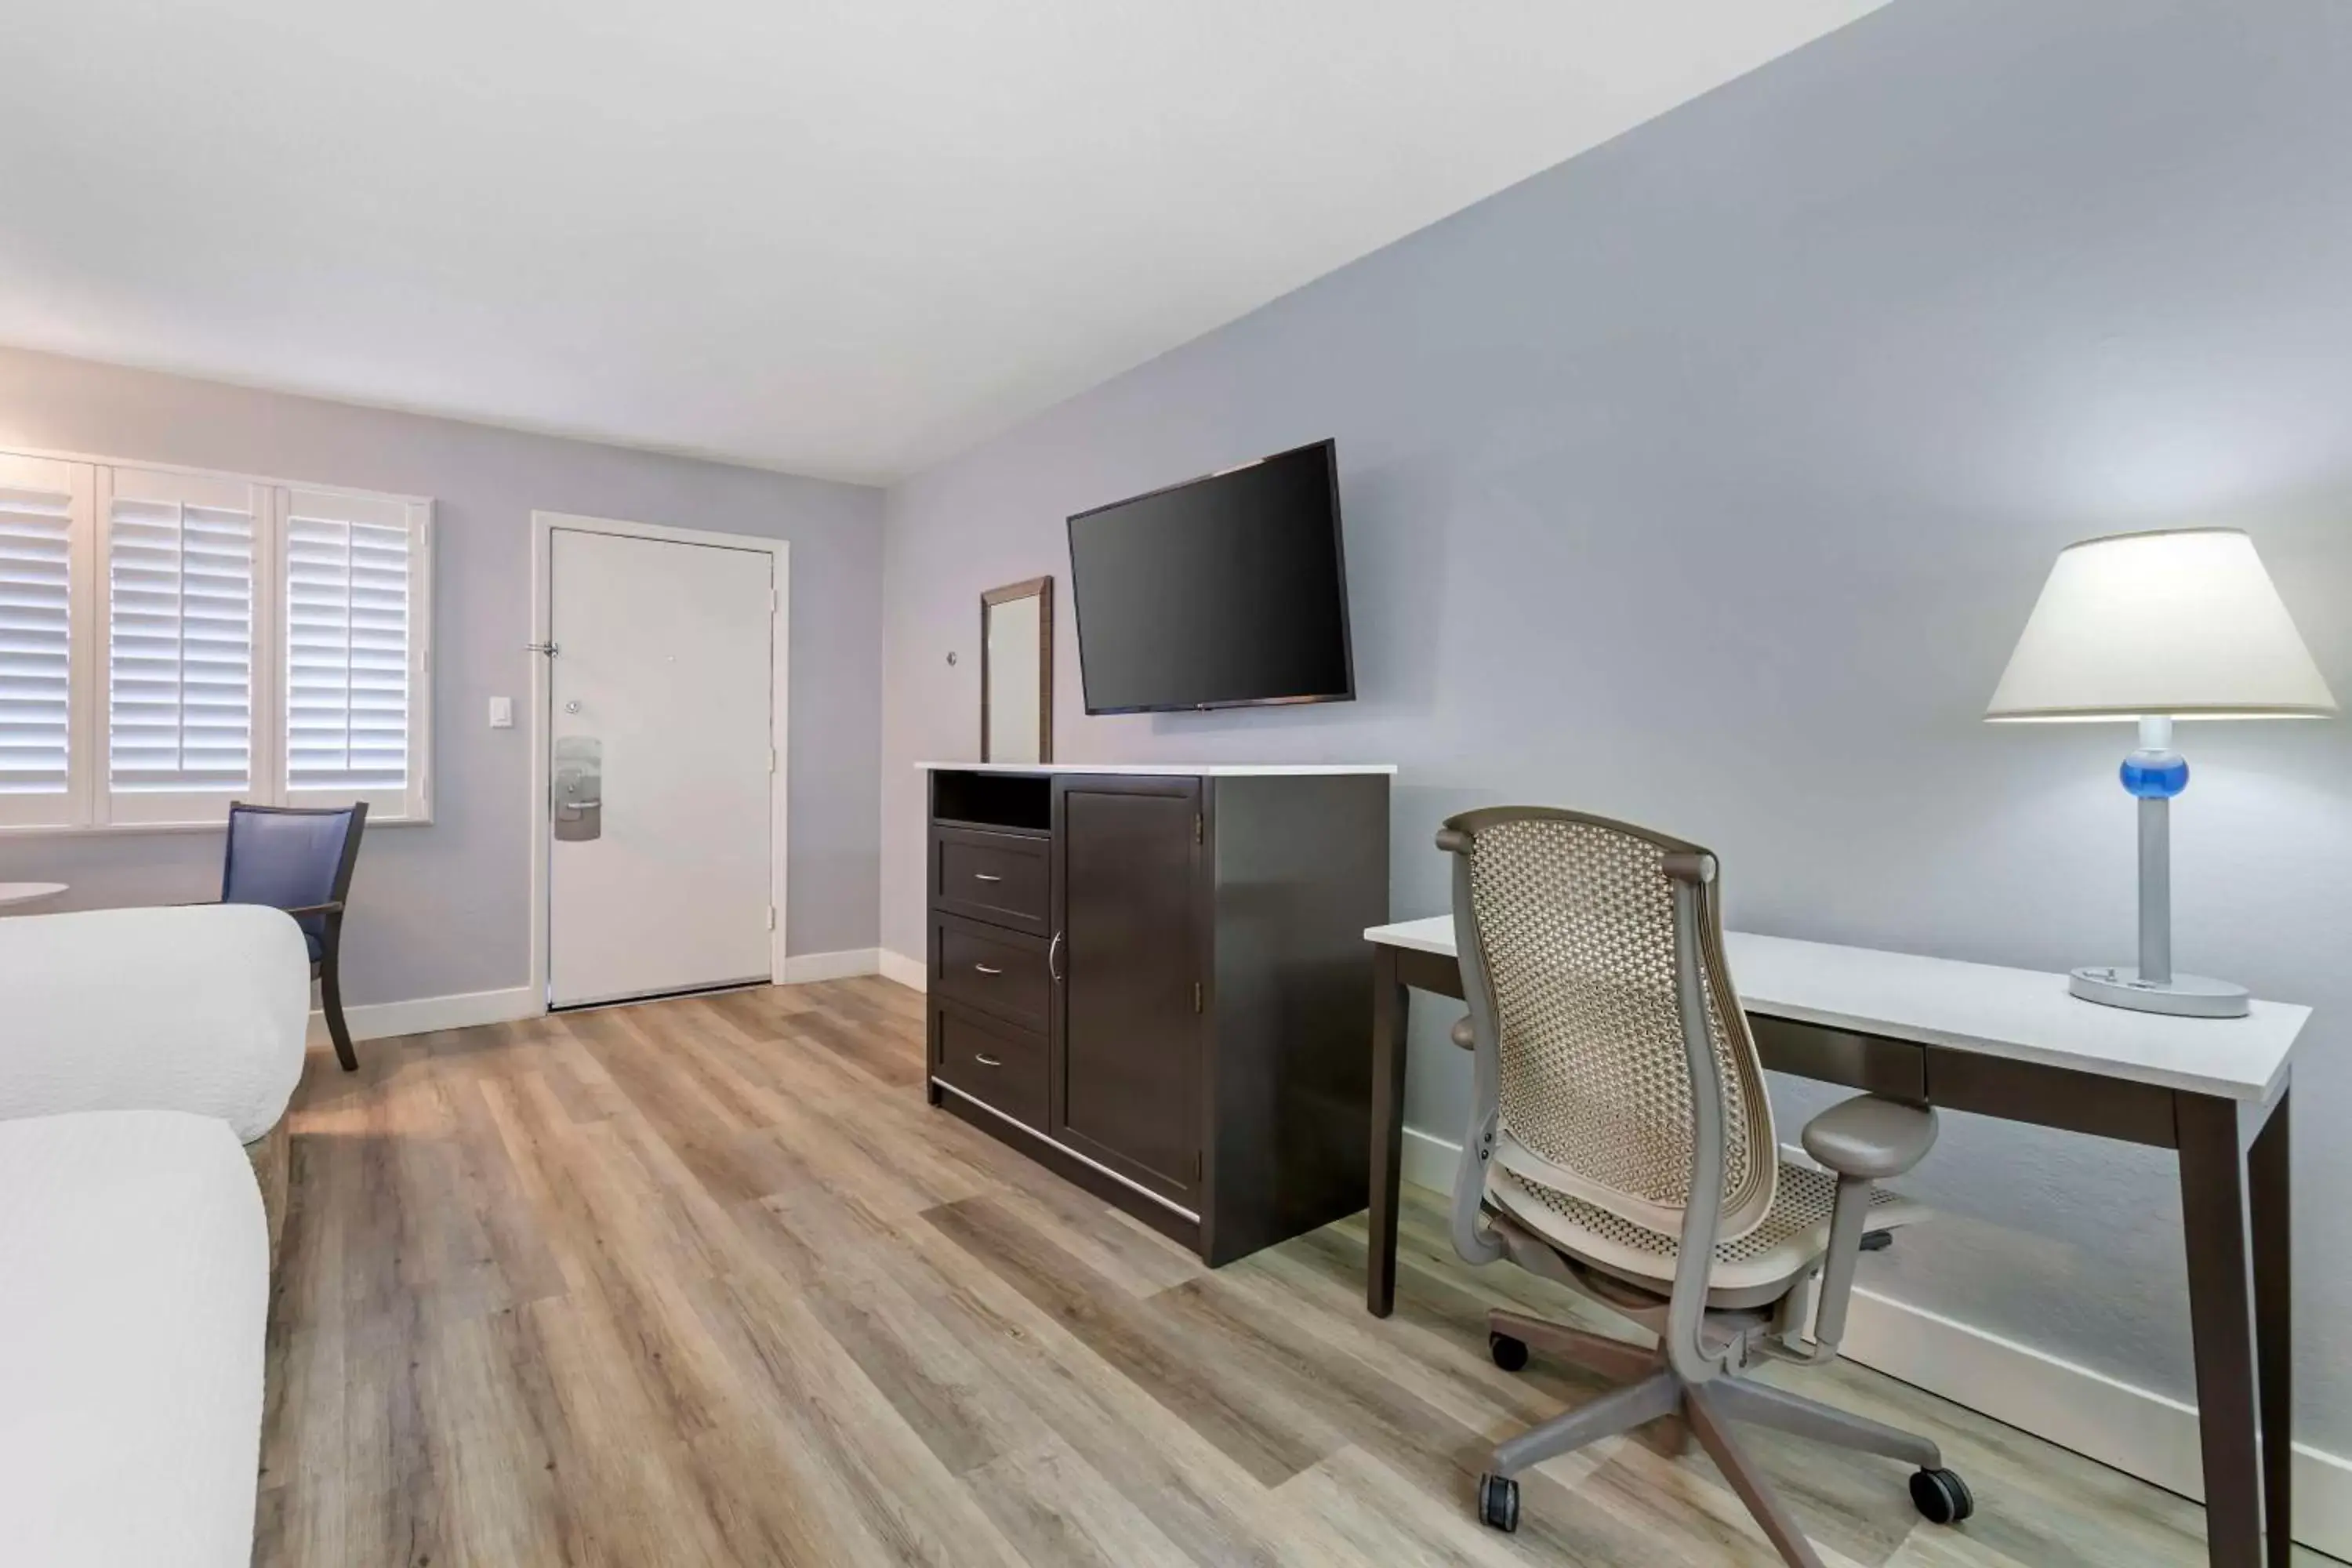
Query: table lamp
[(2153, 627)]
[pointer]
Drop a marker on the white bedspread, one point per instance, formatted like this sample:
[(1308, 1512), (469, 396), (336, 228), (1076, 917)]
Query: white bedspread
[(202, 1009), (134, 1286)]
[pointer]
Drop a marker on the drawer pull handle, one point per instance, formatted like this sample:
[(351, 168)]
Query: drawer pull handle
[(984, 969), (985, 877), (984, 1059)]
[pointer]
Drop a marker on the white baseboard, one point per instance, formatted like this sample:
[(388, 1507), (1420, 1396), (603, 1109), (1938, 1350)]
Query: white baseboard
[(911, 972), (800, 968), (383, 1020), (2147, 1434), (2141, 1434), (386, 1020)]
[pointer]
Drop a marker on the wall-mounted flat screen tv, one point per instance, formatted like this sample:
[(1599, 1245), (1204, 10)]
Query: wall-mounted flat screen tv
[(1226, 591)]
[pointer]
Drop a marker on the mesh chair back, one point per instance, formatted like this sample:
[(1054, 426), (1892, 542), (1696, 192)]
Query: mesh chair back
[(291, 860), (1575, 937)]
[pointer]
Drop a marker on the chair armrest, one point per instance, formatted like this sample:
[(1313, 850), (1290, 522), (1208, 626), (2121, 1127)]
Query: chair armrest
[(1871, 1138), (1864, 1140), (332, 907)]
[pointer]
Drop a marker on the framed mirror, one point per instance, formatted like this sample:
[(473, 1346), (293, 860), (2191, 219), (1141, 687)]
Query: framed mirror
[(1016, 672)]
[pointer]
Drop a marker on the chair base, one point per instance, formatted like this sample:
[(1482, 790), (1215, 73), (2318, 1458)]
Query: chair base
[(1649, 1392)]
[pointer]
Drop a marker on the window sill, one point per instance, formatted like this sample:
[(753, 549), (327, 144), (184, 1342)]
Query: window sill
[(136, 829)]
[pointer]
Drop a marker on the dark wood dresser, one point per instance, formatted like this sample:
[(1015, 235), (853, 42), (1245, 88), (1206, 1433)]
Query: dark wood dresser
[(1157, 983)]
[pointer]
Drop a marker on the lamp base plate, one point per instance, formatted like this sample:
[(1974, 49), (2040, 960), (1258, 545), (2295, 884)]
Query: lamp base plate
[(2184, 996)]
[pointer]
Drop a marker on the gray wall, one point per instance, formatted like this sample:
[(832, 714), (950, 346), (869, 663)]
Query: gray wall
[(1706, 479), (443, 909)]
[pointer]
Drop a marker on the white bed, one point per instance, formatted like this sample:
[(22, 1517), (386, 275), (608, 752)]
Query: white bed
[(200, 1009), (134, 1289), (139, 1051)]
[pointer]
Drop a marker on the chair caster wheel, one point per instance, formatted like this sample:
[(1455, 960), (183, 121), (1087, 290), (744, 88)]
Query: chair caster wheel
[(1498, 1498), (1510, 1354), (1941, 1497)]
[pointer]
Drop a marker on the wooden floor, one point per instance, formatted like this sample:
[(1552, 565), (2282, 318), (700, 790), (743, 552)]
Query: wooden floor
[(705, 1281)]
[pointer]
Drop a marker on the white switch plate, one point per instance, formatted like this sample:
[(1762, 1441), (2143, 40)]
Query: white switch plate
[(502, 713)]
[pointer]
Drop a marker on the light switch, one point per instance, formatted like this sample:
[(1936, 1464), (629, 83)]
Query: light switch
[(502, 713)]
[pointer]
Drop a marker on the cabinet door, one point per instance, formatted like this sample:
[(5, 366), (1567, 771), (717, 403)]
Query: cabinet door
[(1126, 1039)]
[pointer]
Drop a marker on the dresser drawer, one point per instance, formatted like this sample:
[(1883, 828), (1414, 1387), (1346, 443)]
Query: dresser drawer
[(993, 1062), (1000, 877), (998, 971)]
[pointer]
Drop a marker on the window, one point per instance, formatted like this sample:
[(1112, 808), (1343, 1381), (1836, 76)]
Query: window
[(173, 641), (349, 568), (44, 513), (179, 552)]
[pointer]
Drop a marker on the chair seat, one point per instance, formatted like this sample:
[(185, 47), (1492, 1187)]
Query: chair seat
[(1755, 1270)]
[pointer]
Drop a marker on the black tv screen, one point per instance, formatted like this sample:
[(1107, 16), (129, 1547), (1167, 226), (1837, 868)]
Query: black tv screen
[(1220, 592)]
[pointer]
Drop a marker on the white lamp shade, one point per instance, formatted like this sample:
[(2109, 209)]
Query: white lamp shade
[(2184, 622)]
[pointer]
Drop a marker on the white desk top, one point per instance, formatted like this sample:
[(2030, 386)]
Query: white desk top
[(1179, 770), (2020, 1014)]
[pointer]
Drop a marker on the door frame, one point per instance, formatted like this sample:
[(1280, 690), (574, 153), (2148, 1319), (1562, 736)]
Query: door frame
[(544, 526)]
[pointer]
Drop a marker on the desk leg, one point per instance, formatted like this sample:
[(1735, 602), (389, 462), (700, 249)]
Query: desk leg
[(2267, 1177), (2221, 1318), (1390, 1016)]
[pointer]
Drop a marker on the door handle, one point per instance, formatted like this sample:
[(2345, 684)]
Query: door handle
[(984, 877), (986, 970), (986, 1060), (1053, 957), (578, 768)]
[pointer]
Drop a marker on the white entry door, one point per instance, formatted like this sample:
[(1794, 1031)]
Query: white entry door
[(659, 870)]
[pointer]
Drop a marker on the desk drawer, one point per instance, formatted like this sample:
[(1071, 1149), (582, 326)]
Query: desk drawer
[(1896, 1069), (998, 971), (1000, 877), (995, 1063)]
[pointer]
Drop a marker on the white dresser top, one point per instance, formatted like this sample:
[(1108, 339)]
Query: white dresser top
[(2021, 1014), (1166, 770)]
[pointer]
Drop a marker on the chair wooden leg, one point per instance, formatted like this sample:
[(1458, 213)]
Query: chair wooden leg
[(1670, 1439), (1761, 1404), (331, 997), (1708, 1425), (1610, 1357), (1617, 1411)]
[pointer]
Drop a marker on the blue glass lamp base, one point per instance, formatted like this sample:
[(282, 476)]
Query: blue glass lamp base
[(2184, 995)]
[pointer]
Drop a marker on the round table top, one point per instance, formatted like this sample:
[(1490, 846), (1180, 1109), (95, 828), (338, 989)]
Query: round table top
[(25, 892)]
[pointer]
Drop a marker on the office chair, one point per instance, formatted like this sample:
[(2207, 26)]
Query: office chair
[(300, 859), (1620, 1110)]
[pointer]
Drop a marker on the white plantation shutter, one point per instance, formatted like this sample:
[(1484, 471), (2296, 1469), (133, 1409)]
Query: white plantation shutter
[(352, 598), (41, 509), (172, 640), (35, 641), (180, 555)]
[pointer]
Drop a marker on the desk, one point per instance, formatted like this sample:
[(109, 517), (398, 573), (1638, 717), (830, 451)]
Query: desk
[(2009, 1043)]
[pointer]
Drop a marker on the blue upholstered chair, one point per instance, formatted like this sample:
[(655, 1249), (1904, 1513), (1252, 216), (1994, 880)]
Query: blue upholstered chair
[(301, 860)]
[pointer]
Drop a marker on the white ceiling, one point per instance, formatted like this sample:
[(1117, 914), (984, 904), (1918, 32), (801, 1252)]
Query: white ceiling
[(835, 236)]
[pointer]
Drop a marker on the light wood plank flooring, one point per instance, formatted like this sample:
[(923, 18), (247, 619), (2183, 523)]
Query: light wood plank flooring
[(705, 1281)]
